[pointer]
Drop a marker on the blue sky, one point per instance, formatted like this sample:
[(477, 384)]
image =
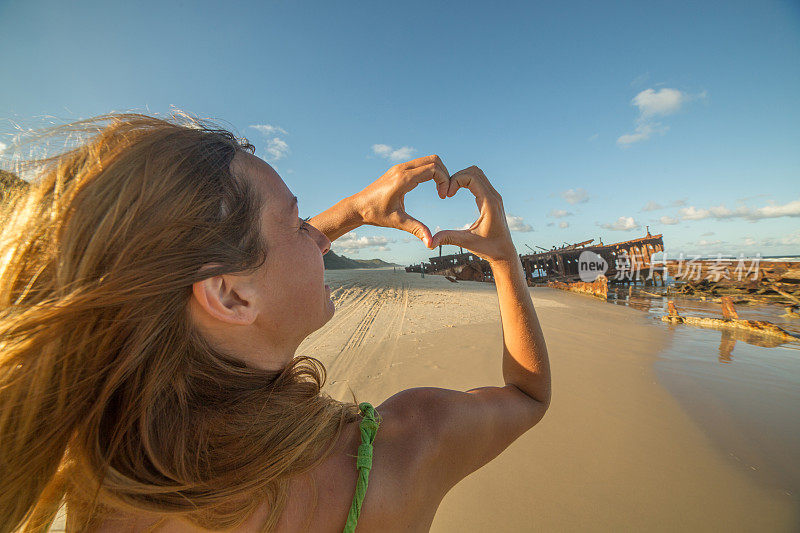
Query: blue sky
[(591, 119)]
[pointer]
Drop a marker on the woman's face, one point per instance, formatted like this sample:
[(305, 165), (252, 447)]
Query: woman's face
[(292, 298), (261, 317)]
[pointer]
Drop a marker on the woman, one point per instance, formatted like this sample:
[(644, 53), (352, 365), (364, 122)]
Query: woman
[(156, 283)]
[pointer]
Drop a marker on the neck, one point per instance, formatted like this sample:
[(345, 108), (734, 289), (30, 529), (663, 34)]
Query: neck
[(251, 344)]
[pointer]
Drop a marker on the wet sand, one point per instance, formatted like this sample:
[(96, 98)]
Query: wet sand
[(741, 388), (615, 451)]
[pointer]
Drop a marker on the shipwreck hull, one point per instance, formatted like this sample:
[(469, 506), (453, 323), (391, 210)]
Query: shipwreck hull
[(628, 262)]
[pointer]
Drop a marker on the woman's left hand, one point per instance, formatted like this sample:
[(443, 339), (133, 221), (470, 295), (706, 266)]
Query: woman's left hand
[(381, 203)]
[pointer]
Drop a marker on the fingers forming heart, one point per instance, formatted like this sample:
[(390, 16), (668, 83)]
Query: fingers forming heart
[(474, 180), (390, 190), (416, 172), (410, 224)]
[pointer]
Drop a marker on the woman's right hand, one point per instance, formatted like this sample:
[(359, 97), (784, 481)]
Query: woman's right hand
[(488, 237)]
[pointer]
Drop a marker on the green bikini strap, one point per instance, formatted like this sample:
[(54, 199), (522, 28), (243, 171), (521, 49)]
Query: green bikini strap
[(369, 427)]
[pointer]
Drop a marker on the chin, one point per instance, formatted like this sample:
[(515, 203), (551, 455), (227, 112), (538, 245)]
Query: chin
[(325, 316)]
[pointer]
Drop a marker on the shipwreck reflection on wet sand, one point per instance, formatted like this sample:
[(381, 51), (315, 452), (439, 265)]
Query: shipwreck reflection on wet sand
[(743, 390)]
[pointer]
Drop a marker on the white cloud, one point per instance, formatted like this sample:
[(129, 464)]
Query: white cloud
[(352, 243), (466, 226), (382, 149), (517, 224), (575, 196), (622, 224), (559, 213), (679, 203), (792, 209), (563, 224), (692, 213), (269, 129), (400, 154), (665, 101), (3, 146), (707, 234), (669, 221), (276, 148), (721, 212), (703, 242), (642, 133), (652, 104), (593, 137), (791, 239), (652, 206)]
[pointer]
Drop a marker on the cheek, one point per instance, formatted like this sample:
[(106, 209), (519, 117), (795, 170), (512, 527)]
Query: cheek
[(308, 270), (297, 276), (313, 260)]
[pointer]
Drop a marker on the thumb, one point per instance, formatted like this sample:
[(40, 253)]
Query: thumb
[(415, 227), (452, 236)]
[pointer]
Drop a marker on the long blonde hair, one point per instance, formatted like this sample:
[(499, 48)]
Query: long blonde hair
[(110, 400)]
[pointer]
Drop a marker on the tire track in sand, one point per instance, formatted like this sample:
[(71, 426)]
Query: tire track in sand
[(363, 327), (371, 347), (398, 321), (380, 352), (350, 308)]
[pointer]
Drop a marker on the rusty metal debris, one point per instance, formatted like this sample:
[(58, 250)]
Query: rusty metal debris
[(791, 312), (598, 288), (730, 320), (731, 276), (627, 262)]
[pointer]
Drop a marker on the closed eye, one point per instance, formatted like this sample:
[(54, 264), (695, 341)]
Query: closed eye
[(304, 225)]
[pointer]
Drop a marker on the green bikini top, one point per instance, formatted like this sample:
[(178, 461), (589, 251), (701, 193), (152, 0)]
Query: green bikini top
[(369, 427)]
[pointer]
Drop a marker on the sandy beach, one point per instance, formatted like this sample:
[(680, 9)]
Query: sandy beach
[(616, 451), (619, 450)]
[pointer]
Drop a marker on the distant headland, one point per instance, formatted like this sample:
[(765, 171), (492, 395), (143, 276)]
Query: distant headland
[(339, 262)]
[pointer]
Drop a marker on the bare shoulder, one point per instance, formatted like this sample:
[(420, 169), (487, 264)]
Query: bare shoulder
[(428, 440), (443, 435)]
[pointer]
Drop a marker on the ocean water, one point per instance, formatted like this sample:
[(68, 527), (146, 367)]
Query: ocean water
[(741, 389)]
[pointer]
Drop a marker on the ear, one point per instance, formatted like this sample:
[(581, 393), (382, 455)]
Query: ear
[(226, 298)]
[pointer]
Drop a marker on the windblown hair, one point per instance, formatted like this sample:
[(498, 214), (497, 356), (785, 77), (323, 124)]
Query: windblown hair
[(110, 399)]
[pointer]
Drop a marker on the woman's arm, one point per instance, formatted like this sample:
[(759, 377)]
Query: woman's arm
[(458, 432), (339, 219), (525, 362)]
